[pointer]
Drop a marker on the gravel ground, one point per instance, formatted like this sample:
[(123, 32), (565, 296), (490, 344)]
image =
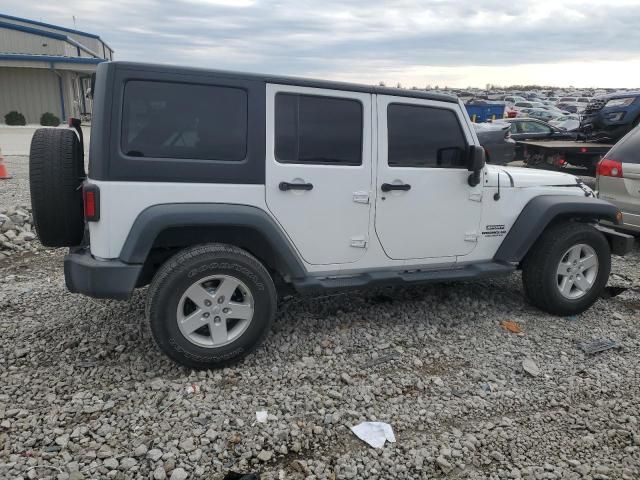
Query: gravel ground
[(15, 191), (86, 395)]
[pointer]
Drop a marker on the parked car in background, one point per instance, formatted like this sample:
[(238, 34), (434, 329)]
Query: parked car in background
[(510, 112), (534, 129), (618, 178), (556, 110), (612, 116), (521, 112), (528, 104), (511, 99), (568, 122), (542, 114), (571, 107), (495, 137)]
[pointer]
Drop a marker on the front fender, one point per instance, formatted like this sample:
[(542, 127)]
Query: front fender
[(540, 212)]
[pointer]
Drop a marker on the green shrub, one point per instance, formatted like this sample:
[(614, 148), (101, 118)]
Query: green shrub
[(48, 119), (14, 118)]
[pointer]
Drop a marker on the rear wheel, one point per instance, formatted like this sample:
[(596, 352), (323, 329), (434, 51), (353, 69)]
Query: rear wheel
[(567, 268), (56, 173), (210, 305)]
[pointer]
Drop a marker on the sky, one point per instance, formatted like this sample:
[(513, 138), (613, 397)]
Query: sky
[(458, 43)]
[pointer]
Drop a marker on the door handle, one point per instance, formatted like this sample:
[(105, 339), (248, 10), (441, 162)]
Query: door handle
[(387, 187), (284, 186)]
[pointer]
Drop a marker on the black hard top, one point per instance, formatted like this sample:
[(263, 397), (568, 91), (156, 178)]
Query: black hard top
[(283, 80)]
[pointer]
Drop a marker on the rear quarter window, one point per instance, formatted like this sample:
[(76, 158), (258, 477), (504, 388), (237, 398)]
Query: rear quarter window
[(627, 150), (184, 121)]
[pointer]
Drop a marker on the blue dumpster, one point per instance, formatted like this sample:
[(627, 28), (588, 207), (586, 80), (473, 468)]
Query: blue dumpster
[(485, 112)]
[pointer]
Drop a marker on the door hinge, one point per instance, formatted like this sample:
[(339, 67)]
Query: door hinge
[(361, 197), (358, 242), (475, 196), (471, 237)]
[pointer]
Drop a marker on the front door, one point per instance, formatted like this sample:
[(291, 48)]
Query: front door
[(424, 206), (318, 170)]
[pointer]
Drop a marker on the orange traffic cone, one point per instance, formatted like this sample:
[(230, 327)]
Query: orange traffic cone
[(4, 175)]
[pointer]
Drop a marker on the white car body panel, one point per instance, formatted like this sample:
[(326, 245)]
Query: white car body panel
[(122, 202), (329, 211), (413, 224), (440, 211), (531, 177)]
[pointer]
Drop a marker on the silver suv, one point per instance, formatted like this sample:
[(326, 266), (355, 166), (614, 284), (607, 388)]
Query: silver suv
[(618, 178)]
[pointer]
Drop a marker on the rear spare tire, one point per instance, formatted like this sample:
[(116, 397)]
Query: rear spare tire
[(56, 173)]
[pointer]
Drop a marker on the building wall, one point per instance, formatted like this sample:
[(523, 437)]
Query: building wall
[(31, 92), (32, 85), (13, 41), (92, 43)]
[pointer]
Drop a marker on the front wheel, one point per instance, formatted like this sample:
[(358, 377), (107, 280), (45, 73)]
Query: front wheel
[(566, 270), (210, 305)]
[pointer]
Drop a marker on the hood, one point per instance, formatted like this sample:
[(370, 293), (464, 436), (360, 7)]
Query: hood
[(612, 96), (520, 177)]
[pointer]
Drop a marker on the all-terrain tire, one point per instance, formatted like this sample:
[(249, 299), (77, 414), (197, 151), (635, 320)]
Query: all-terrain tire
[(189, 267), (540, 267), (56, 173)]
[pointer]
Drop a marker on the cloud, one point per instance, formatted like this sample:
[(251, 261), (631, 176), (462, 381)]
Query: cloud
[(224, 3), (358, 38)]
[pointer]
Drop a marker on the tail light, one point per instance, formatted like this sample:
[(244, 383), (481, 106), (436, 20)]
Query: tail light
[(609, 168), (91, 200)]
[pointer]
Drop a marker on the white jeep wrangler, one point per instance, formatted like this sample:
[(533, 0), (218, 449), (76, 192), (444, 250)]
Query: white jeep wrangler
[(222, 189)]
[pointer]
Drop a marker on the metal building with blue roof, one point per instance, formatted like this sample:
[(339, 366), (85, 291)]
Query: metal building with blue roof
[(47, 68)]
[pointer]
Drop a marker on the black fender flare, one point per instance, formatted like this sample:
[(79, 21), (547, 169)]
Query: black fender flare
[(157, 218), (540, 211)]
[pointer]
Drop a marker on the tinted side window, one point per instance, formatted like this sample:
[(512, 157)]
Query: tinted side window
[(318, 130), (424, 137), (534, 127), (175, 120), (627, 150)]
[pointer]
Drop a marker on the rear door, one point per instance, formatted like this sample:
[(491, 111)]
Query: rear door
[(318, 170)]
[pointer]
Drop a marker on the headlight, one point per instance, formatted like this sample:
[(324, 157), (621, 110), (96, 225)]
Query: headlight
[(615, 116), (620, 102)]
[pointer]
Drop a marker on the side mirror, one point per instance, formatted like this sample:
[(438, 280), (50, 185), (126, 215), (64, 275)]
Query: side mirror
[(475, 164)]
